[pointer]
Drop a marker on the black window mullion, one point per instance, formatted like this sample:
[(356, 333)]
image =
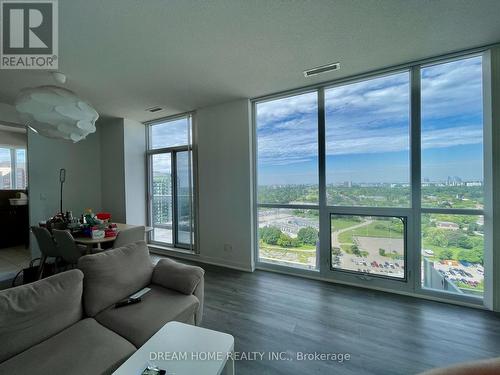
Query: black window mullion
[(173, 161)]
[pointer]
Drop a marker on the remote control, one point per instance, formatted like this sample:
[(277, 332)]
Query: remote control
[(126, 302)]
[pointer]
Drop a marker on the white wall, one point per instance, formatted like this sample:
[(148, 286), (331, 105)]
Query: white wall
[(224, 139), (134, 140), (113, 168), (11, 138), (123, 173), (8, 115), (82, 188)]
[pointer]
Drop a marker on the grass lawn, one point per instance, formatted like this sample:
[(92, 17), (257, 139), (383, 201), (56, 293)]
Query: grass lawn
[(375, 229), (437, 250), (339, 224), (302, 253)]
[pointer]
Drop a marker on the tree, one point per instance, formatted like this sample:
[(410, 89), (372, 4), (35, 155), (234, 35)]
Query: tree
[(308, 235), (471, 256), (287, 241), (445, 254), (465, 242), (355, 250), (270, 235), (381, 252), (336, 251), (437, 237), (471, 228), (398, 226)]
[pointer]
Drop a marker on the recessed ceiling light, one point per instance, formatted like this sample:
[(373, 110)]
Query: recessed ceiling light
[(154, 109), (321, 69)]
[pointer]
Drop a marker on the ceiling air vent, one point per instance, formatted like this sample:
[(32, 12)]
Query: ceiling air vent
[(321, 69), (154, 109)]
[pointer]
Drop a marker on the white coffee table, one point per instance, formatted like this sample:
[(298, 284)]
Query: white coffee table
[(183, 349)]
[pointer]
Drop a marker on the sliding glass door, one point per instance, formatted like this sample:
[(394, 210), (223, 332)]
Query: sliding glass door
[(161, 198), (377, 181), (171, 183)]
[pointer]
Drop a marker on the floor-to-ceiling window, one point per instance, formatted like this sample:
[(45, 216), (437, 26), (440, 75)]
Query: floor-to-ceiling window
[(452, 190), (171, 182), (367, 167), (288, 200), (377, 180)]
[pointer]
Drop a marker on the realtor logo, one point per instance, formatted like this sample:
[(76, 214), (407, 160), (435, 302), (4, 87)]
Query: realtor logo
[(29, 34)]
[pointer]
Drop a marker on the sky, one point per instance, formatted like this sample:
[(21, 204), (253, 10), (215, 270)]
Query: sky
[(168, 134), (367, 129)]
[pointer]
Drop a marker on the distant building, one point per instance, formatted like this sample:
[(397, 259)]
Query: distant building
[(474, 183), (162, 200), (5, 180), (448, 225)]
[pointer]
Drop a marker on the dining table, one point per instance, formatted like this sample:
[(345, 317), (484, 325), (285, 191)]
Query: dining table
[(91, 242)]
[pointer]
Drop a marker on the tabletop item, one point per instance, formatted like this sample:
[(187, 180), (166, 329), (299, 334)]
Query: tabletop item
[(21, 199), (151, 370), (104, 216), (97, 233), (62, 180), (88, 241)]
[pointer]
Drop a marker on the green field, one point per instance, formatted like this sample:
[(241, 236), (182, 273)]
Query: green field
[(395, 195), (301, 253), (345, 222), (379, 228), (450, 237)]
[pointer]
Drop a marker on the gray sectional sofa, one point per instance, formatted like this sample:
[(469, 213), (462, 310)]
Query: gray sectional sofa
[(67, 323)]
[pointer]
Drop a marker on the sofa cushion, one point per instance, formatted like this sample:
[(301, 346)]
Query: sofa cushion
[(85, 348), (114, 275), (138, 322), (34, 312)]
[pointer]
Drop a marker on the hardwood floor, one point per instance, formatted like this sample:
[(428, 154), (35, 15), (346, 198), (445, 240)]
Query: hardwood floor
[(383, 333), (12, 260)]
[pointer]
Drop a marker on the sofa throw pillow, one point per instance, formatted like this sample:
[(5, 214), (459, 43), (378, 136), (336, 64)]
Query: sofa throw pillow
[(31, 313), (113, 275)]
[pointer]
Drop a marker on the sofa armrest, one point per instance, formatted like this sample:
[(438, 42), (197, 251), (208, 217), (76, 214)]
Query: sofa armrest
[(177, 276), (199, 293), (181, 278)]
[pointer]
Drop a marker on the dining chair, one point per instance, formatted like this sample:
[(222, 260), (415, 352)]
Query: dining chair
[(47, 247), (69, 250), (130, 235)]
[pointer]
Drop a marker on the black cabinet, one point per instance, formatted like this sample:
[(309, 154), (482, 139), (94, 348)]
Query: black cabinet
[(14, 226)]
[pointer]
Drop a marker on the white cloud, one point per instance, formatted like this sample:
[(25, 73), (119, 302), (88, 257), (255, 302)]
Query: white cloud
[(170, 133), (372, 116)]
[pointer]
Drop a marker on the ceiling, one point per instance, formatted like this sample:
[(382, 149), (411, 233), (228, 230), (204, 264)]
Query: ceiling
[(124, 56)]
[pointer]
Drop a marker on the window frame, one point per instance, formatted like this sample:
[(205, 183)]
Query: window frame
[(284, 205), (173, 151), (404, 220), (415, 210)]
